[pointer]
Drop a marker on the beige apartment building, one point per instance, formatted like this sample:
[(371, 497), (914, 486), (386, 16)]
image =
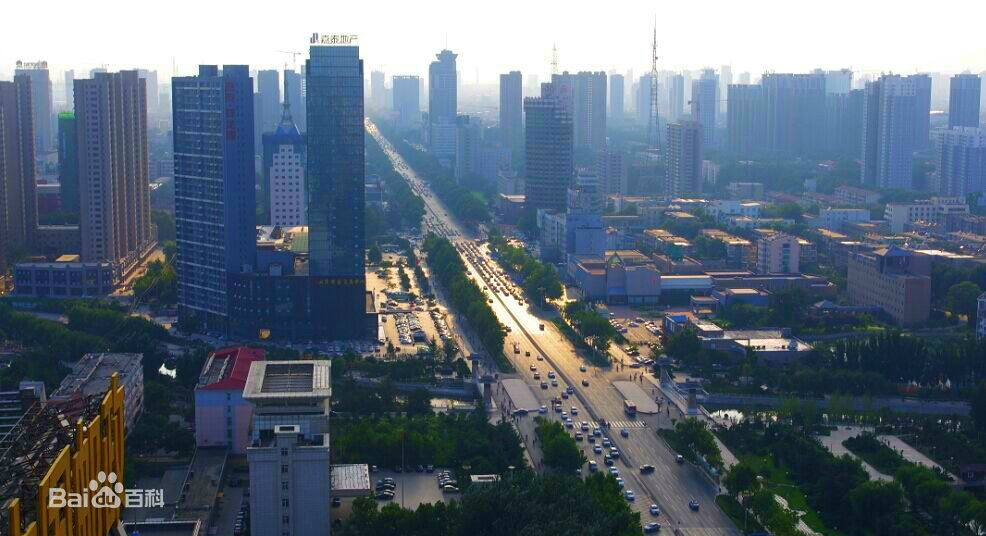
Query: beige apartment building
[(896, 280)]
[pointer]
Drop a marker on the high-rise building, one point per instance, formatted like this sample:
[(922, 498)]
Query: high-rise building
[(705, 104), (922, 111), (269, 88), (961, 161), (963, 101), (746, 120), (685, 153), (548, 134), (69, 82), (336, 191), (68, 161), (294, 94), (442, 106), (616, 94), (889, 116), (844, 123), (612, 170), (641, 101), (378, 91), (795, 108), (284, 171), (215, 198), (512, 112), (744, 78), (676, 97), (468, 141), (18, 204), (725, 80), (589, 117), (111, 131), (288, 456), (42, 110), (532, 87), (153, 95), (407, 101), (838, 82)]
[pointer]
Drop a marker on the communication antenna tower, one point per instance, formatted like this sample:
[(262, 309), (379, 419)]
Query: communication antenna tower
[(652, 118)]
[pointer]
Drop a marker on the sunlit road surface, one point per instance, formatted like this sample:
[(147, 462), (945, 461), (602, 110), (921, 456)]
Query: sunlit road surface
[(670, 486)]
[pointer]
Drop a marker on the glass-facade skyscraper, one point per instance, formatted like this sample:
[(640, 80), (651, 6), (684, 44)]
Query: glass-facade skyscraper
[(214, 189), (335, 191)]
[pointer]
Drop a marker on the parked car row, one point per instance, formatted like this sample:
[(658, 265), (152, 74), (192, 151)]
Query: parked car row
[(447, 482)]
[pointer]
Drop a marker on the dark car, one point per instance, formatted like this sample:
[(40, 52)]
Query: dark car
[(647, 468), (651, 528), (336, 502), (429, 468), (419, 469), (693, 505)]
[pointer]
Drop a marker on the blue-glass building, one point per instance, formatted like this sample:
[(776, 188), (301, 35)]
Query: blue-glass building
[(335, 190), (214, 189)]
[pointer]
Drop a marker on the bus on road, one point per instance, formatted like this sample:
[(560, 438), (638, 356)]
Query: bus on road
[(629, 408)]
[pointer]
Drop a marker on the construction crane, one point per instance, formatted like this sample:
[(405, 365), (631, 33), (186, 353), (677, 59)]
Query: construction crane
[(294, 58)]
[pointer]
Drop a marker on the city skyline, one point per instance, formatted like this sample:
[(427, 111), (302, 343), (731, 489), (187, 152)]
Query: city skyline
[(757, 43)]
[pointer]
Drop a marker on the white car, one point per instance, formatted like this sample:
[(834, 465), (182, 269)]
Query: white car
[(629, 494)]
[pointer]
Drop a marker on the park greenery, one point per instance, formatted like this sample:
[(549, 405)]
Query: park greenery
[(838, 489), (591, 326), (520, 503), (467, 205), (159, 284), (692, 439), (559, 449), (874, 452), (444, 440), (465, 296), (540, 281)]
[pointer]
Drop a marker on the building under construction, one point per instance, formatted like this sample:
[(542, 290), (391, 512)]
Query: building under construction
[(45, 450)]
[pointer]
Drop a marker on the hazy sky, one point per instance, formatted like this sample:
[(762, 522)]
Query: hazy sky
[(401, 37)]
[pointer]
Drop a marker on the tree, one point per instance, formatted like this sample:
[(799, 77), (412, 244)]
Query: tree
[(419, 402), (559, 449), (962, 299), (875, 503), (375, 256), (740, 478)]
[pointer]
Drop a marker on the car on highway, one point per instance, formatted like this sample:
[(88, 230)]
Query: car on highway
[(544, 385), (578, 436), (606, 443), (575, 410), (537, 375), (624, 432), (646, 468), (582, 368), (614, 471), (519, 412), (619, 482), (569, 424), (693, 504), (551, 374), (592, 438), (534, 367), (527, 353), (654, 510), (540, 357), (614, 452), (554, 383), (593, 466), (608, 461), (585, 382), (651, 528), (543, 409), (679, 459), (630, 495), (564, 394), (597, 449)]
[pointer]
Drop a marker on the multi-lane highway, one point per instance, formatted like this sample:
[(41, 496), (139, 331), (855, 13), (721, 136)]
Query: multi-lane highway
[(670, 486)]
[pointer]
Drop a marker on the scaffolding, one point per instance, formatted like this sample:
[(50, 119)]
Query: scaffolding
[(29, 449)]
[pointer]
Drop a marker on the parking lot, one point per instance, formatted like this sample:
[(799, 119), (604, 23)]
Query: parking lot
[(413, 488)]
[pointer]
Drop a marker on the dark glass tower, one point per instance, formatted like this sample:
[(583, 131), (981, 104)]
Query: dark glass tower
[(214, 189), (335, 191)]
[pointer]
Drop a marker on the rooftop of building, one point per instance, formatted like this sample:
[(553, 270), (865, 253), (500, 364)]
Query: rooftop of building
[(350, 480), (228, 368), (164, 528), (744, 292), (270, 380), (91, 374), (680, 215)]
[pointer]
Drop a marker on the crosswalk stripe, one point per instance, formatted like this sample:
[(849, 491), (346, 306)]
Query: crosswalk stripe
[(620, 424)]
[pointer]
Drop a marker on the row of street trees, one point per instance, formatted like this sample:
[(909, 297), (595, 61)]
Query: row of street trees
[(539, 281), (591, 326), (465, 295)]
